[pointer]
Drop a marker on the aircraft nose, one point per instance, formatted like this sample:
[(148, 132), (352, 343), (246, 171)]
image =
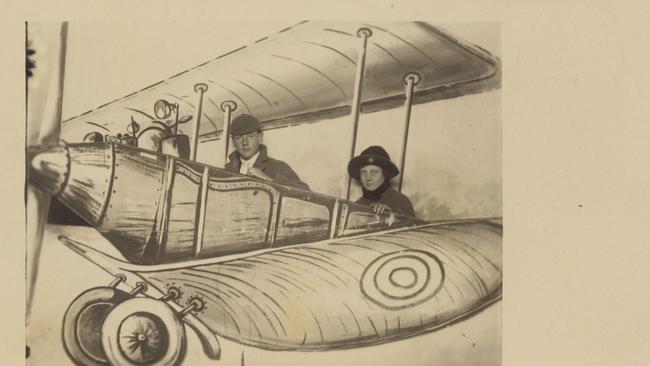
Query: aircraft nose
[(48, 167)]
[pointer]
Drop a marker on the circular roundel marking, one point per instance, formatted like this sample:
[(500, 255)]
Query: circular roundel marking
[(402, 279)]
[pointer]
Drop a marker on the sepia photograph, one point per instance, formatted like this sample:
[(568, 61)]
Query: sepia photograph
[(369, 183), (263, 193)]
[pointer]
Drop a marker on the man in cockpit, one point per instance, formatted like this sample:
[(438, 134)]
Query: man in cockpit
[(251, 157)]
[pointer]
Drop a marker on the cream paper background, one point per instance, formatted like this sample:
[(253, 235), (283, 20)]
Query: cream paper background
[(576, 196)]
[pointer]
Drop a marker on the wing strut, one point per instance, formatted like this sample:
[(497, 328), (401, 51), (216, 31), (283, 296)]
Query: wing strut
[(411, 80), (363, 33), (199, 88), (227, 106)]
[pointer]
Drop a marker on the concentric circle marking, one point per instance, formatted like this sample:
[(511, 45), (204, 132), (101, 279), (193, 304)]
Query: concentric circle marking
[(402, 279)]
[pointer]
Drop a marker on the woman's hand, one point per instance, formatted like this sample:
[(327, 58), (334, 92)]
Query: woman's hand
[(379, 208)]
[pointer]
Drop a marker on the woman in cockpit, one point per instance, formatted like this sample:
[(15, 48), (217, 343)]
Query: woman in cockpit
[(374, 170)]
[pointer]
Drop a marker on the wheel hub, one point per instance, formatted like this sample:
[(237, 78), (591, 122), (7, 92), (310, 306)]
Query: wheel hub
[(143, 338)]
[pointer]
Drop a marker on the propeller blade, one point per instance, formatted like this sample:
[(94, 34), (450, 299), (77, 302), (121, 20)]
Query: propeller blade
[(44, 107)]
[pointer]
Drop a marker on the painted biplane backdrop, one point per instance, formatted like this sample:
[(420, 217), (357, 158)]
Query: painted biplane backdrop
[(167, 240)]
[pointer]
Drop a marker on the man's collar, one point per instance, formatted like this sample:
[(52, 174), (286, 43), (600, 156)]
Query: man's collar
[(263, 154)]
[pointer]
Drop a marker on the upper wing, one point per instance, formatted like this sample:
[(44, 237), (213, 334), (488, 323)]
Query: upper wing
[(306, 73)]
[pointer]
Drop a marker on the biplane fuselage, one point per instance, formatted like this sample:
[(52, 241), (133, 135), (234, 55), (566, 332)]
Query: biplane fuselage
[(157, 208)]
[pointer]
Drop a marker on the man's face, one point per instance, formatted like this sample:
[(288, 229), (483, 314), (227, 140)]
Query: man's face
[(372, 177), (247, 145)]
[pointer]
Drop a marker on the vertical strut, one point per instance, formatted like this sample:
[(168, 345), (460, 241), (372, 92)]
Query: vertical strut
[(199, 88), (363, 34), (227, 107), (200, 216), (410, 80), (165, 205)]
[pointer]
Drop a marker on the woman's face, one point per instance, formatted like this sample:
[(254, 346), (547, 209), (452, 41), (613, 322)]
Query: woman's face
[(372, 177)]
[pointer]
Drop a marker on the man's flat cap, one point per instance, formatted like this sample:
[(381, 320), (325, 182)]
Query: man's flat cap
[(244, 124)]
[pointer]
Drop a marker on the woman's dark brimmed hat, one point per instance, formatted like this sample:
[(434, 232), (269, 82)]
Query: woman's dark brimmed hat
[(374, 155)]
